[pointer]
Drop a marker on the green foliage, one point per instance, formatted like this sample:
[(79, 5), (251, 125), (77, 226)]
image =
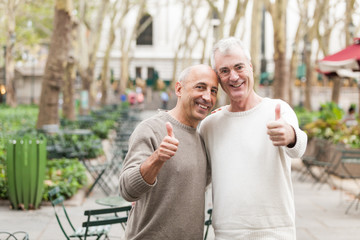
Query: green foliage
[(72, 145), (331, 129), (305, 116), (330, 111), (68, 174), (3, 183), (17, 120), (63, 170), (352, 137), (102, 129), (329, 125)]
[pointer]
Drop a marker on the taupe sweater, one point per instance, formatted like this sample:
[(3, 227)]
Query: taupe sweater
[(172, 208)]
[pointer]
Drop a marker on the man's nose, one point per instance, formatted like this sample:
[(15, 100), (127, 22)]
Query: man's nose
[(233, 74), (207, 95)]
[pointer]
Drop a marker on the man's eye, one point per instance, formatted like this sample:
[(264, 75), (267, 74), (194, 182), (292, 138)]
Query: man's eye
[(224, 71), (238, 67), (214, 91)]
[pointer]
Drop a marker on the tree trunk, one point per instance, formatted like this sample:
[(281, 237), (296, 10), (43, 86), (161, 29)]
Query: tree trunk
[(69, 91), (281, 82), (255, 39), (70, 77), (87, 68), (335, 96), (309, 78), (55, 65), (105, 68), (10, 62), (124, 72), (292, 74)]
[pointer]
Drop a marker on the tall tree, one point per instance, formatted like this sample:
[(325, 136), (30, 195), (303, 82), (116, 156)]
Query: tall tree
[(68, 88), (89, 37), (256, 37), (128, 35), (119, 11), (294, 60), (55, 65), (11, 7), (277, 10), (350, 9), (191, 32)]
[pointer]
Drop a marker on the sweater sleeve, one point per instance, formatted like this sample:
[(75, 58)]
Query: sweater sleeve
[(301, 138), (142, 143)]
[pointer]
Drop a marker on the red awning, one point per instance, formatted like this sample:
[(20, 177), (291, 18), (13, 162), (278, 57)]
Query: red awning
[(348, 58)]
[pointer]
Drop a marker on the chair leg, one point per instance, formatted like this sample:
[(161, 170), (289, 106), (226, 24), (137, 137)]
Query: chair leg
[(356, 199)]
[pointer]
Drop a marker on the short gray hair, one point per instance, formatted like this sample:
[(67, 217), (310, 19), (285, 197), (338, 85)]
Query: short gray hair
[(225, 45), (184, 74)]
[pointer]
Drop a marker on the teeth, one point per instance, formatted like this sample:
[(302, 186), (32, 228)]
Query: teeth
[(202, 106), (238, 85)]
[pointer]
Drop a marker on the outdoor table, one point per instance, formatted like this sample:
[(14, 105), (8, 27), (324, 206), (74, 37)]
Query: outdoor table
[(112, 201)]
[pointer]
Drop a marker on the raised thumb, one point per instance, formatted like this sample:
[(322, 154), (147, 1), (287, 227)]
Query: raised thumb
[(169, 129), (277, 112)]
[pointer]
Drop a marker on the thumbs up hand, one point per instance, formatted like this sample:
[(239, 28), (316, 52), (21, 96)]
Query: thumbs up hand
[(168, 146), (280, 132)]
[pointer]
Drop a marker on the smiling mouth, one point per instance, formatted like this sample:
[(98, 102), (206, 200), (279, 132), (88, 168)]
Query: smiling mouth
[(237, 85), (204, 106)]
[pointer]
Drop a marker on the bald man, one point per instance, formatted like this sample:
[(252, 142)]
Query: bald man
[(166, 171)]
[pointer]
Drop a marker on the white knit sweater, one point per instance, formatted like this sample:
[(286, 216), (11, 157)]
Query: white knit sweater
[(251, 178)]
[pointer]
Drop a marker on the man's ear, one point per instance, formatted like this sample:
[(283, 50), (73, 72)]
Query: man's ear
[(178, 88)]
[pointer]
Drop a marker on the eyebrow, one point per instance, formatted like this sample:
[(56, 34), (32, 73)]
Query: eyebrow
[(204, 84)]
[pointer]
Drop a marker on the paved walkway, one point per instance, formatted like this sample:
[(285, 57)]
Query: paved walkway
[(320, 213)]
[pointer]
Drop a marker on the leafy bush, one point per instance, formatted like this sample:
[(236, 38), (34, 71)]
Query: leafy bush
[(305, 116), (22, 118), (330, 126), (72, 146), (3, 183), (101, 129), (330, 111), (68, 174), (332, 130)]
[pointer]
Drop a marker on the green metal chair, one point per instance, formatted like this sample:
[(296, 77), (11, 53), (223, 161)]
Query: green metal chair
[(208, 223), (98, 221), (14, 236)]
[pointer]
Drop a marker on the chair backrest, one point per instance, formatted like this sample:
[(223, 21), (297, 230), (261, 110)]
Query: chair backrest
[(18, 235), (58, 200), (114, 217)]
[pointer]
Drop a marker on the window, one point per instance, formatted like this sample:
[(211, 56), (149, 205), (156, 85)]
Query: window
[(150, 71), (145, 29), (138, 72)]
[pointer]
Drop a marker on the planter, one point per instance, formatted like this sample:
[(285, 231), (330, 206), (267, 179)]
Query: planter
[(26, 162)]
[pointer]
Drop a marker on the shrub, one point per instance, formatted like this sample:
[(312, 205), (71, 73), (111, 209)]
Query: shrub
[(68, 174)]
